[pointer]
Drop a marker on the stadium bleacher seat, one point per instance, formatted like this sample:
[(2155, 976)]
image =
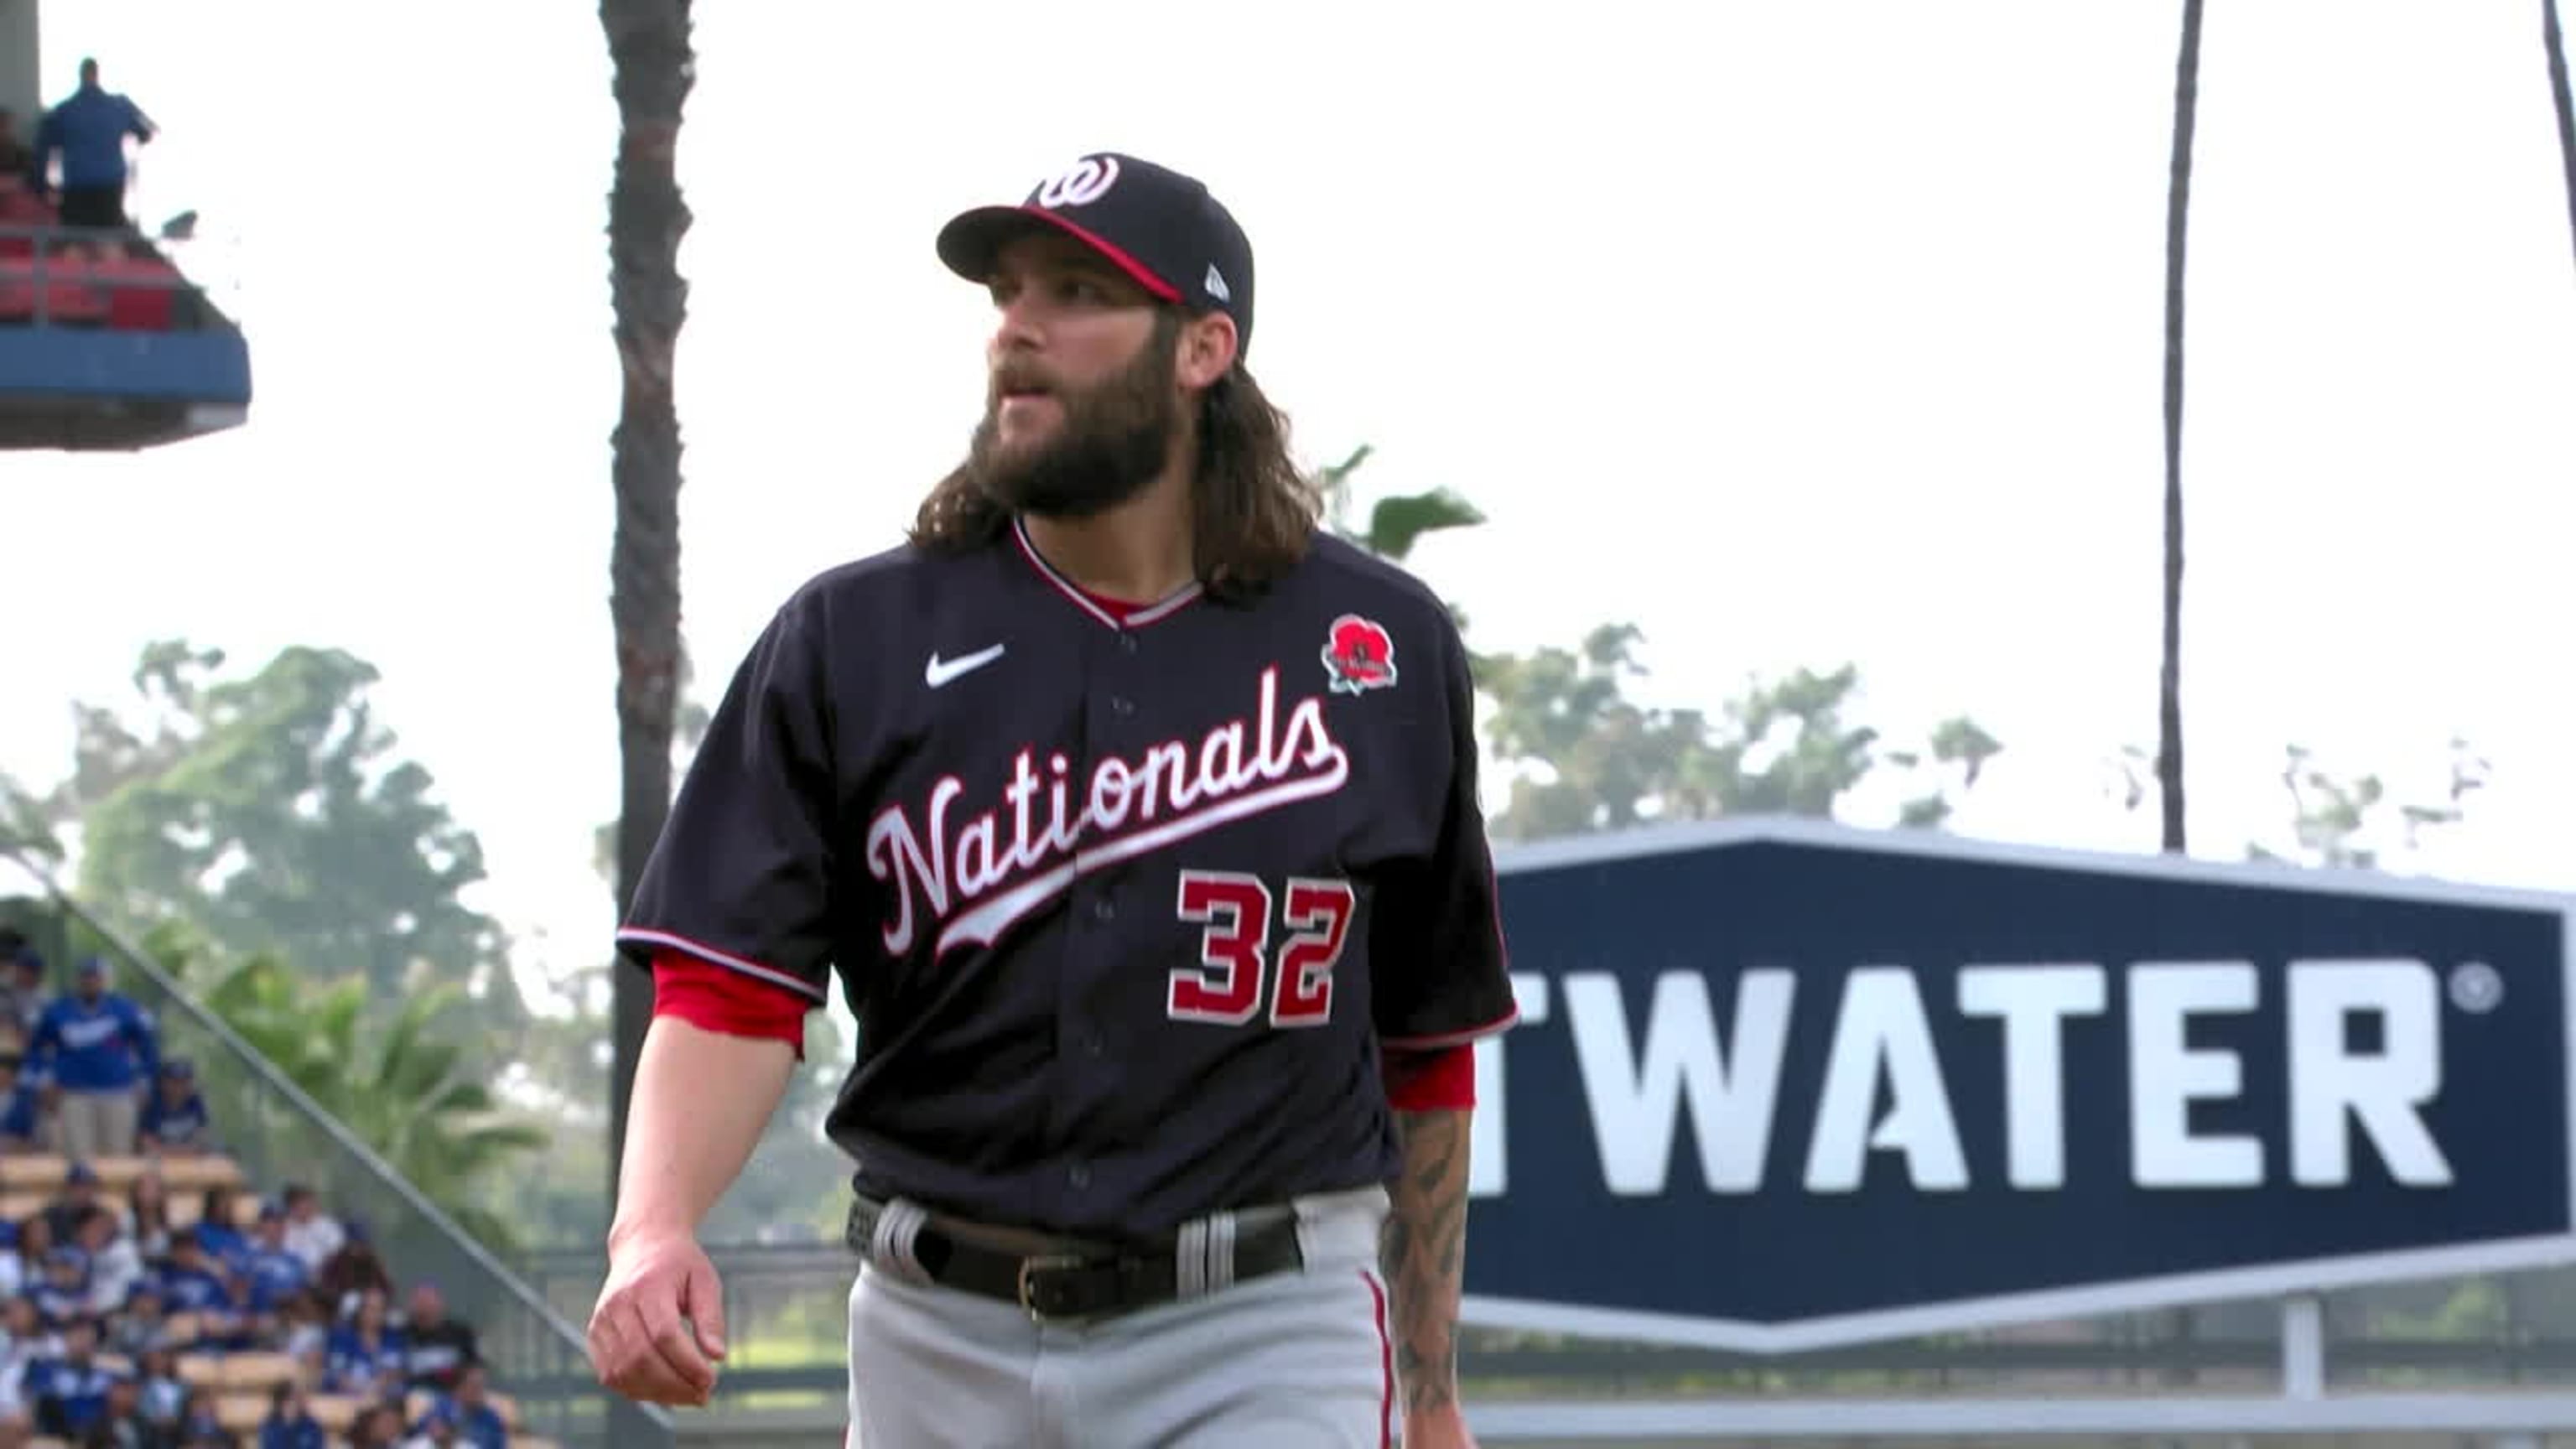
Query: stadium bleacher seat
[(141, 293), (416, 1404), (241, 1382), (68, 302), (41, 1172)]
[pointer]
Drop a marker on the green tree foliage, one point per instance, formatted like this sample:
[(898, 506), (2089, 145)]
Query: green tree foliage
[(2349, 821), (1590, 757), (792, 1188), (2339, 820), (414, 1088), (25, 829), (1584, 754), (271, 811)]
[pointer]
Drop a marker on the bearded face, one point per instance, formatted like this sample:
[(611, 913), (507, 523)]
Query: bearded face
[(1055, 449)]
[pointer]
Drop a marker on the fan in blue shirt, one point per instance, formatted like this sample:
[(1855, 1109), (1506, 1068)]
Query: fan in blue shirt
[(290, 1424), (89, 129), (174, 1119), (70, 1391), (275, 1274), (63, 1297), (225, 1245), (18, 1125), (192, 1283), (96, 1050), (470, 1413), (96, 1040), (365, 1354)]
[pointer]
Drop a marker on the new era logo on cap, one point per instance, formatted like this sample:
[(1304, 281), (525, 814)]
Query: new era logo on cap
[(1158, 226)]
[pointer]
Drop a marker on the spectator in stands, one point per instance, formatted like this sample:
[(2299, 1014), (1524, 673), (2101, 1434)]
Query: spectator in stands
[(26, 1344), (165, 1397), (27, 997), (147, 1215), (277, 1277), (366, 1352), (13, 1268), (218, 1226), (15, 162), (202, 1426), (290, 1423), (21, 1130), (354, 1270), (470, 1404), (311, 1233), (14, 945), (191, 1282), (113, 1263), (35, 1240), (142, 1323), (81, 1192), (62, 1296), (437, 1349), (437, 1429), (69, 1390), (377, 1426), (121, 1425), (99, 1050), (174, 1121), (88, 130)]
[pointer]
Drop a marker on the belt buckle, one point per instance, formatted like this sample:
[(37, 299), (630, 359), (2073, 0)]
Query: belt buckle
[(1041, 1263)]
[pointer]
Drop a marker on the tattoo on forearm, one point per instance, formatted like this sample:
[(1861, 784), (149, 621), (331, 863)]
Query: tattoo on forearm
[(1424, 1252)]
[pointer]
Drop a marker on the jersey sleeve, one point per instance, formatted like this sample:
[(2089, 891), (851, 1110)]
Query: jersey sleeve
[(741, 876), (1439, 973)]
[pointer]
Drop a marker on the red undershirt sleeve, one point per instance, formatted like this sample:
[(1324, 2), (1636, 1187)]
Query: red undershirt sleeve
[(1436, 1079), (711, 998)]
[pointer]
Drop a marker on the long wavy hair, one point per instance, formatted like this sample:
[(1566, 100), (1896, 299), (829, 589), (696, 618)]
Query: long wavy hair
[(1254, 512)]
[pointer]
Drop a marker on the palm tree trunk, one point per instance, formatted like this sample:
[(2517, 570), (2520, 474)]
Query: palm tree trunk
[(648, 42), (2177, 215), (2556, 41), (2179, 1325)]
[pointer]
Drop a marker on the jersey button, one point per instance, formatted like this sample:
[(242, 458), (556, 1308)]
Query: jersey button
[(1127, 642), (1122, 705), (1078, 1175), (1093, 1045), (1104, 909)]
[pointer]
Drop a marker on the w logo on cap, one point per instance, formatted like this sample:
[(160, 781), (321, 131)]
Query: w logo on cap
[(1080, 184)]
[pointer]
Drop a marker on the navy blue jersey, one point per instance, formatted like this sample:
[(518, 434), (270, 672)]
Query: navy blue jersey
[(1126, 911)]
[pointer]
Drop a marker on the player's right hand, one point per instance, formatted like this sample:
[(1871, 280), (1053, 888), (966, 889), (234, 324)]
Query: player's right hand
[(659, 1331)]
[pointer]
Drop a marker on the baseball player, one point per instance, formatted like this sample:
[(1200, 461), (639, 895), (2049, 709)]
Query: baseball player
[(1137, 817)]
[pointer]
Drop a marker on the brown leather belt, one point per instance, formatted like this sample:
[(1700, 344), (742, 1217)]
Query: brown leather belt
[(1057, 1286)]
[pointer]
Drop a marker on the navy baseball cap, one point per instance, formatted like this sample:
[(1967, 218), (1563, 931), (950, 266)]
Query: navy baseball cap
[(1156, 225)]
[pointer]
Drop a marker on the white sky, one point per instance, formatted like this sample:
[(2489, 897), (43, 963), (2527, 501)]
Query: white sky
[(1880, 285)]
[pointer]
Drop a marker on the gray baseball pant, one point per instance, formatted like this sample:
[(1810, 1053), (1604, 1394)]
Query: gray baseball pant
[(1296, 1360)]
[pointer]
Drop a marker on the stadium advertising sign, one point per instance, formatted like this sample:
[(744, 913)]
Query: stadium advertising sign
[(1782, 1085)]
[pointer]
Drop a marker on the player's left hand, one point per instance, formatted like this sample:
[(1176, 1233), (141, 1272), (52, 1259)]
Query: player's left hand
[(1444, 1427)]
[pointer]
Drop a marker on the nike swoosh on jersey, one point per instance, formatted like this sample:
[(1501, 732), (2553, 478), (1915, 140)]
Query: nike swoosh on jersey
[(941, 671)]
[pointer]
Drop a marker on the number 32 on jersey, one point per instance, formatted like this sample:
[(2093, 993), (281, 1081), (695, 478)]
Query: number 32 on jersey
[(1235, 913)]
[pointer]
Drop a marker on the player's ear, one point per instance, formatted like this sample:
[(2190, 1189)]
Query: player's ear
[(1208, 344)]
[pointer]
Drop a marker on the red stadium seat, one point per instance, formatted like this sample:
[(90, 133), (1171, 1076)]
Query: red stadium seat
[(70, 302), (140, 292)]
